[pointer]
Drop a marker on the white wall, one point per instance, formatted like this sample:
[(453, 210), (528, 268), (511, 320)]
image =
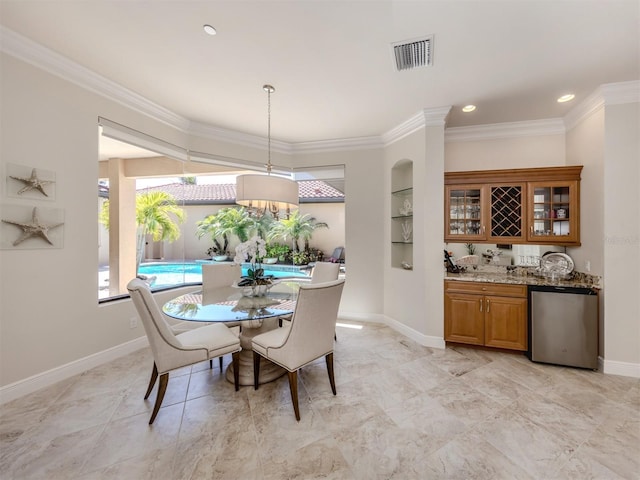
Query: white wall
[(364, 242), (519, 152), (49, 314), (585, 146), (622, 236), (413, 299)]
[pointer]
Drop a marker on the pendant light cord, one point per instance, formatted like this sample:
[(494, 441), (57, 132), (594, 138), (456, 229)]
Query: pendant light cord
[(269, 89)]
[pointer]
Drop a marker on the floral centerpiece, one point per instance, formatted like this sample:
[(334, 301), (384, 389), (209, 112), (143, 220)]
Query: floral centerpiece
[(253, 250)]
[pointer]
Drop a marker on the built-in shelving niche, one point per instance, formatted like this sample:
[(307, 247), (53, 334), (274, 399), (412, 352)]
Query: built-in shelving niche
[(402, 215)]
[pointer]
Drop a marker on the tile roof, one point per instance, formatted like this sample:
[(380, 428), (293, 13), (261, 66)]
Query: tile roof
[(309, 191)]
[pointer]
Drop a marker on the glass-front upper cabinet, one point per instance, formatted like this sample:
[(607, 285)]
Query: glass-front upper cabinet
[(464, 213), (553, 212)]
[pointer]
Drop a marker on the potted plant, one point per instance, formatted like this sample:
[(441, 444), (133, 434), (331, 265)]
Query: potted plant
[(256, 282), (217, 254), (276, 252)]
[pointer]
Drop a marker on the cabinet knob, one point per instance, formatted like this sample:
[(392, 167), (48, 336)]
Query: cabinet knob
[(487, 305), (481, 305)]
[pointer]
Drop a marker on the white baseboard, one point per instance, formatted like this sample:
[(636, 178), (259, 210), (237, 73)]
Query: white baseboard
[(361, 317), (625, 369), (45, 379), (421, 338)]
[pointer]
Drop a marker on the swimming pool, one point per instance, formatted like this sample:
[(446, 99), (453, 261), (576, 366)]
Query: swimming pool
[(169, 274)]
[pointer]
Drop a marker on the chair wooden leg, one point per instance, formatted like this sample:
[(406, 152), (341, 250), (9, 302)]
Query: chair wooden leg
[(211, 363), (332, 380), (335, 336), (152, 381), (236, 369), (220, 361), (162, 388), (293, 387), (256, 369)]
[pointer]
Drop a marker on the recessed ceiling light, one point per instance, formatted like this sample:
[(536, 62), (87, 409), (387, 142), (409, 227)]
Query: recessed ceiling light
[(209, 30), (566, 98), (468, 108)]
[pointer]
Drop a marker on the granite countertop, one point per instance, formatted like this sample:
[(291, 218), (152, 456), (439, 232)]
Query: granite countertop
[(522, 276)]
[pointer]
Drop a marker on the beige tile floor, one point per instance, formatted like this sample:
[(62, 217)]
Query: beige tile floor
[(402, 411)]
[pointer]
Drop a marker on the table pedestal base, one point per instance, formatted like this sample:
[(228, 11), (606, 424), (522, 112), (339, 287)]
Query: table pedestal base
[(268, 371)]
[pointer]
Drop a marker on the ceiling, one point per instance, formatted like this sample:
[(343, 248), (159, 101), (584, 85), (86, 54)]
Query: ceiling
[(331, 61)]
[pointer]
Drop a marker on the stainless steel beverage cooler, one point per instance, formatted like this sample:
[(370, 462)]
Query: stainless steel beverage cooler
[(563, 326)]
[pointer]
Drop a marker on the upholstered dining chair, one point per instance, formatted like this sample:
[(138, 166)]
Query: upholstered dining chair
[(306, 338), (321, 272), (325, 272), (214, 275), (175, 351)]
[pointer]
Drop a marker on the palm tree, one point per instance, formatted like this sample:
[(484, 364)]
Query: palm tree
[(211, 226), (296, 227), (154, 211), (236, 221)]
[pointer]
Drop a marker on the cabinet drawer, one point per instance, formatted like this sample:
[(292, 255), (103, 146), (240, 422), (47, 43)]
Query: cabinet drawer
[(485, 288)]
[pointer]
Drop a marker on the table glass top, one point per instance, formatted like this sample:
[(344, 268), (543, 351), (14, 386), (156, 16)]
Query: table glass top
[(228, 304)]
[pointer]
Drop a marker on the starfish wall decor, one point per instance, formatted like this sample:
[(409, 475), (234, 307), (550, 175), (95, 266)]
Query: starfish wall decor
[(32, 183), (35, 229)]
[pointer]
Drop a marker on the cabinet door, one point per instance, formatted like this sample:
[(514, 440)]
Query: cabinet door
[(553, 213), (465, 213), (507, 213), (506, 322), (464, 318)]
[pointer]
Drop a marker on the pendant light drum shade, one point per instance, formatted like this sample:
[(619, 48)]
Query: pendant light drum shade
[(266, 192)]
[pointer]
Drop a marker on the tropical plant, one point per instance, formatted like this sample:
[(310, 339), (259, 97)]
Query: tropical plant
[(211, 226), (263, 225), (300, 258), (296, 227), (277, 250), (157, 214), (236, 221)]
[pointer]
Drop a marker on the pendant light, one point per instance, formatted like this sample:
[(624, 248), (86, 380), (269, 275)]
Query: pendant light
[(266, 193)]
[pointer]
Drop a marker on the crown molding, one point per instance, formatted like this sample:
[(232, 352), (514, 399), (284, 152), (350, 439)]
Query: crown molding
[(621, 93), (607, 94), (41, 57), (239, 138), (340, 145), (550, 126), (428, 117), (584, 109)]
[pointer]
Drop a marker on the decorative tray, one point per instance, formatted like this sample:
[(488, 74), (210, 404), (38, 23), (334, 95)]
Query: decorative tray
[(556, 264)]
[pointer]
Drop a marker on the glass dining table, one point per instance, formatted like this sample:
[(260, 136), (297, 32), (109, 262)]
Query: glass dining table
[(256, 314)]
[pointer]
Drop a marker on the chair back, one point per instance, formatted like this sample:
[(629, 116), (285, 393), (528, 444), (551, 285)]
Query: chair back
[(215, 275), (337, 256), (166, 348), (313, 324), (325, 272)]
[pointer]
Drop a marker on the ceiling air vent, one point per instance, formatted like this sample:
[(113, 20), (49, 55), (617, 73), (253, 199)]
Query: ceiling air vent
[(412, 54)]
